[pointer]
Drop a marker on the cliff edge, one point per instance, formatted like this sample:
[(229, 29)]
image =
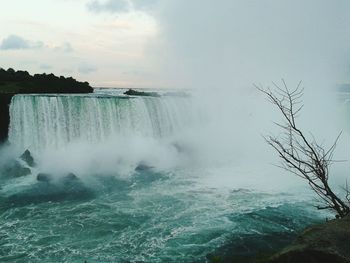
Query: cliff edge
[(21, 82), (324, 243)]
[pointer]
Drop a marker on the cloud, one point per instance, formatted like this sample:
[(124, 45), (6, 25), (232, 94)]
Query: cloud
[(65, 47), (144, 4), (14, 42), (87, 69), (119, 6), (243, 42), (111, 6)]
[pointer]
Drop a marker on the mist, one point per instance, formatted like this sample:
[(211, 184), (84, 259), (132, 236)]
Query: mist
[(221, 49)]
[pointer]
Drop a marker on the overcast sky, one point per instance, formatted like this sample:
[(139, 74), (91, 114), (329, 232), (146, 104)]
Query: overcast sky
[(177, 43)]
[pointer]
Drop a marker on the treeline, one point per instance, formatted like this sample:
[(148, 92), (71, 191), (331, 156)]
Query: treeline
[(14, 82)]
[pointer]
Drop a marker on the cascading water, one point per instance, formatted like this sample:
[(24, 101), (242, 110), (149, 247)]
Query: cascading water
[(44, 122), (135, 191)]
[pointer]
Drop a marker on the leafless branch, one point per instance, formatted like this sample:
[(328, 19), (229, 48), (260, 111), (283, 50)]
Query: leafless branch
[(301, 155)]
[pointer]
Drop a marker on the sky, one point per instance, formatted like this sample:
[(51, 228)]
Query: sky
[(178, 43)]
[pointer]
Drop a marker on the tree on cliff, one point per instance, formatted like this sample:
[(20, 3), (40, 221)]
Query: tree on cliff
[(301, 155), (15, 82)]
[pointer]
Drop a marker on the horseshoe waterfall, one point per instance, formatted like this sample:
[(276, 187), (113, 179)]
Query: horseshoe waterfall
[(39, 121), (106, 177)]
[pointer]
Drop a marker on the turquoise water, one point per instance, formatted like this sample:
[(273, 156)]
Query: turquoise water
[(140, 193), (149, 217)]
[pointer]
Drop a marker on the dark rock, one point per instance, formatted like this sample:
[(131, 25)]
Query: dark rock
[(71, 176), (179, 148), (325, 243), (48, 192), (143, 167), (132, 92), (42, 177), (28, 158), (14, 169), (69, 179), (5, 100)]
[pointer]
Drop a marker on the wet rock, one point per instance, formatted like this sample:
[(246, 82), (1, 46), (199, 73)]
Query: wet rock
[(14, 169), (181, 147), (132, 92), (71, 176), (143, 167), (43, 177), (178, 147), (69, 179), (48, 192), (325, 243), (5, 100), (28, 158)]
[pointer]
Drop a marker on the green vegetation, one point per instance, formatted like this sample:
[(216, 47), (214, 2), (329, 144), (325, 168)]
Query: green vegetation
[(14, 82), (21, 82)]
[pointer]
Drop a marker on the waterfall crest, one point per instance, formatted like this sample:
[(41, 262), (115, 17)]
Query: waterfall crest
[(40, 122)]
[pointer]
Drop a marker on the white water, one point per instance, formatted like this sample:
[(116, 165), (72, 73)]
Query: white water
[(41, 122), (200, 194)]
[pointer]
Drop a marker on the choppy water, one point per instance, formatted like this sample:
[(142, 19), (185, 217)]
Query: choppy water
[(116, 212), (149, 217)]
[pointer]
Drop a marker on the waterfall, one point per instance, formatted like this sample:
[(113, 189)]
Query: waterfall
[(40, 122)]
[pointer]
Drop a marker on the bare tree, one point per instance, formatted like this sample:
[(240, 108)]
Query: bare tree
[(303, 156)]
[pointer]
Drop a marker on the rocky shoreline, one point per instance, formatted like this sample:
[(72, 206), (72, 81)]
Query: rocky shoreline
[(327, 242), (324, 243)]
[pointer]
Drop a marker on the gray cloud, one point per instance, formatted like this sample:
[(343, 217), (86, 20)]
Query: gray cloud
[(86, 69), (232, 42), (16, 42), (144, 4), (118, 6), (111, 6)]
